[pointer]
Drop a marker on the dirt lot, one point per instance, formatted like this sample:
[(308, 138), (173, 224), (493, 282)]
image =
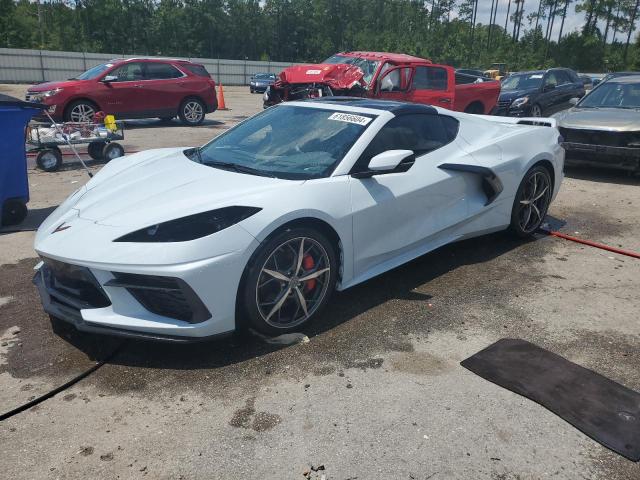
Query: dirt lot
[(378, 391)]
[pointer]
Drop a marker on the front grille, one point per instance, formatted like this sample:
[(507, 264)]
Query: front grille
[(599, 137), (165, 296), (73, 285), (504, 103)]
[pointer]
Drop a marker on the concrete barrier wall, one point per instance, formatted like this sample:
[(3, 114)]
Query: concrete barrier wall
[(34, 66)]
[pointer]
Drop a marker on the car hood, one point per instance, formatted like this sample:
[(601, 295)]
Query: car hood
[(159, 185), (513, 94), (611, 119), (46, 86), (338, 75)]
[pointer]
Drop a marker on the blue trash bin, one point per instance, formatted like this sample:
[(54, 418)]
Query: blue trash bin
[(14, 185)]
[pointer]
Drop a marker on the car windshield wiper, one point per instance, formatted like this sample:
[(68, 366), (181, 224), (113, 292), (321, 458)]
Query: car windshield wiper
[(238, 168)]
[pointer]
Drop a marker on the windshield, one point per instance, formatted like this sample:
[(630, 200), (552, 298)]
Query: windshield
[(613, 94), (367, 66), (265, 76), (287, 142), (523, 81), (94, 72)]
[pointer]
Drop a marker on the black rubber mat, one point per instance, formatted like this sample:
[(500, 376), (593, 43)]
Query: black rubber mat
[(604, 410)]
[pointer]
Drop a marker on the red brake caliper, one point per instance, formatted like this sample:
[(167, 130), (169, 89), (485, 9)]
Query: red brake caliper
[(308, 264)]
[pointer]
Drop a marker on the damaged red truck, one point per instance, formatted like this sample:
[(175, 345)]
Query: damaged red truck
[(388, 76)]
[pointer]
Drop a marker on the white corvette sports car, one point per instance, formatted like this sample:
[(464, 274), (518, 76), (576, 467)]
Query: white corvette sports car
[(260, 225)]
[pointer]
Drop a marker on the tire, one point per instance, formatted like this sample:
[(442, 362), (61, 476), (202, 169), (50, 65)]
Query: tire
[(536, 110), (251, 90), (532, 202), (80, 111), (13, 212), (192, 112), (95, 150), (261, 293), (49, 159), (112, 150), (475, 108)]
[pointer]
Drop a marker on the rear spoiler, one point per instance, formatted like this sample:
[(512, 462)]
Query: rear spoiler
[(532, 121)]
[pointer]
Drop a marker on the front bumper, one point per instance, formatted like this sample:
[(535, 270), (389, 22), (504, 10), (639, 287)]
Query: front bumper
[(602, 155)]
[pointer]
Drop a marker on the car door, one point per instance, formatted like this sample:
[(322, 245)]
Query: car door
[(432, 85), (396, 214), (164, 87), (551, 97), (122, 96), (394, 83)]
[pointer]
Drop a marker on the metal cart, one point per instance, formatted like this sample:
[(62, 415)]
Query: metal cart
[(47, 140)]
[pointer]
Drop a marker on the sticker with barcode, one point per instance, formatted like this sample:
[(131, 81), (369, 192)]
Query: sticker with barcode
[(350, 118)]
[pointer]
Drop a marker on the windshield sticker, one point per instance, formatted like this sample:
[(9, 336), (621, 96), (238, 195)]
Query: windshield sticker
[(536, 76), (314, 72), (350, 118)]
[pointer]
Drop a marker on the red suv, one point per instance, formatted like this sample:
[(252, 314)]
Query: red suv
[(132, 88)]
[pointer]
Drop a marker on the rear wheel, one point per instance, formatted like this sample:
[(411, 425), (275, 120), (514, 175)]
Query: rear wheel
[(289, 280), (192, 112), (532, 202), (112, 150), (95, 150), (49, 159), (13, 212)]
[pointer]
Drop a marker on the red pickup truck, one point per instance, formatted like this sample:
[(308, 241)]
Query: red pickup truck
[(390, 76)]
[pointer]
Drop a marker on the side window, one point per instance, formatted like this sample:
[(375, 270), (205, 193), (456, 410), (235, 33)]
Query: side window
[(430, 78), (161, 71), (563, 77), (421, 133), (551, 79), (128, 72), (396, 80)]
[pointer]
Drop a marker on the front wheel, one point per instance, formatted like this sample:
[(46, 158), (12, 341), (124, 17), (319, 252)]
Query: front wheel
[(112, 150), (94, 149), (532, 202), (192, 112), (49, 159), (536, 110), (289, 280)]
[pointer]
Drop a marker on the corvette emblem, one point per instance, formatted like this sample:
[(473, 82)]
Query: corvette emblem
[(61, 227)]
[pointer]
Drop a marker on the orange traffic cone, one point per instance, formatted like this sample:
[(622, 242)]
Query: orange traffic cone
[(221, 105)]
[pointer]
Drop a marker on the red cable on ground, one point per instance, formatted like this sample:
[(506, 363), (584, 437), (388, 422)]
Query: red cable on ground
[(592, 244)]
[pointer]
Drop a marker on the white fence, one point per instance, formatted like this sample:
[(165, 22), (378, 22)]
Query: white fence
[(34, 66)]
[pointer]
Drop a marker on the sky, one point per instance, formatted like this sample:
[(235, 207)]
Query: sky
[(573, 22)]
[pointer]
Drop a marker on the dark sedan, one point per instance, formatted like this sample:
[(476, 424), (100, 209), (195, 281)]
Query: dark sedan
[(539, 93), (604, 127), (260, 81)]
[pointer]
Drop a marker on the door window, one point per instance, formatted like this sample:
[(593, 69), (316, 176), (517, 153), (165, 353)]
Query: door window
[(128, 72), (551, 80), (161, 71), (421, 133), (430, 78), (563, 77), (396, 80)]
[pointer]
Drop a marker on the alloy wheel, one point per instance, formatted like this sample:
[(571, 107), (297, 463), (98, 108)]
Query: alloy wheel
[(82, 113), (293, 282), (534, 201), (193, 111)]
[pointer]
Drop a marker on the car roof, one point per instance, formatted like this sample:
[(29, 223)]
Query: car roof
[(397, 108), (152, 59), (394, 57)]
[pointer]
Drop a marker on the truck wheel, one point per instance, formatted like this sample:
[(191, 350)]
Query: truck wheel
[(13, 212), (49, 159), (95, 150), (112, 150)]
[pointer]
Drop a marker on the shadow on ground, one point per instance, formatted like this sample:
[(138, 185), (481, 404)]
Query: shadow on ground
[(602, 174), (399, 284)]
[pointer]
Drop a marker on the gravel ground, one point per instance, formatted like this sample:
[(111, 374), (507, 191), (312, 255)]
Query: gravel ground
[(377, 392)]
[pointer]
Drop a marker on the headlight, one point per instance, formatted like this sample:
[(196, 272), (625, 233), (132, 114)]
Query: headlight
[(191, 227), (252, 83), (40, 95), (519, 102)]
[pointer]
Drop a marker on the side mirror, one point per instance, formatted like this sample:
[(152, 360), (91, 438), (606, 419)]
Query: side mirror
[(573, 101), (109, 78), (385, 162)]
